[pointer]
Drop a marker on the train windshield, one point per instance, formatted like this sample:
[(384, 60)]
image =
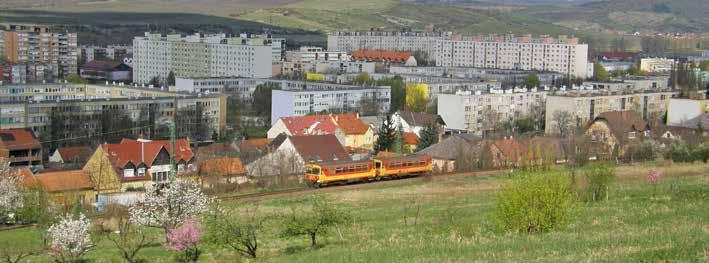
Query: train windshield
[(313, 170)]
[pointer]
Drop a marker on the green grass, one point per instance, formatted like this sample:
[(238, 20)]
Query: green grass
[(638, 222)]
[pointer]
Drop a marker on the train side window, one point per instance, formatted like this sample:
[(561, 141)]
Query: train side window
[(338, 170), (350, 169), (378, 165), (422, 162)]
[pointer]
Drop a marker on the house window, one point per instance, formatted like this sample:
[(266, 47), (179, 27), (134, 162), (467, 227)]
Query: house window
[(631, 135), (180, 168), (141, 172), (128, 173)]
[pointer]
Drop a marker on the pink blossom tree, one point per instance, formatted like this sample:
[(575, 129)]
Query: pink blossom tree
[(185, 239)]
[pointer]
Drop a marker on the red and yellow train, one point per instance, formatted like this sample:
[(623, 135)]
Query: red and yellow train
[(318, 174)]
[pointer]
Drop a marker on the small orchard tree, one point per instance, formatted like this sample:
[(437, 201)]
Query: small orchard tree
[(11, 196), (240, 233), (169, 206), (319, 219), (70, 238), (129, 240), (185, 240)]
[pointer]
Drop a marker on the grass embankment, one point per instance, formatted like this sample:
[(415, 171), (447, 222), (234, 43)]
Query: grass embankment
[(449, 221)]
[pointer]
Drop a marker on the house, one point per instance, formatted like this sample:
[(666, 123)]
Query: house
[(613, 130), (306, 125), (77, 154), (357, 133), (132, 164), (68, 187), (21, 147), (409, 142), (106, 70), (414, 122), (295, 151), (222, 171), (445, 153), (508, 152), (546, 151)]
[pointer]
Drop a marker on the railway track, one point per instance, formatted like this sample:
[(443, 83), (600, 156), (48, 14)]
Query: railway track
[(360, 185)]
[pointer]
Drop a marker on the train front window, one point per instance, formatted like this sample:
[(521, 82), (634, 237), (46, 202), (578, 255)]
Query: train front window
[(314, 170)]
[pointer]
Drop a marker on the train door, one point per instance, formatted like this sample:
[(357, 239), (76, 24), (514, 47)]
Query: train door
[(377, 168)]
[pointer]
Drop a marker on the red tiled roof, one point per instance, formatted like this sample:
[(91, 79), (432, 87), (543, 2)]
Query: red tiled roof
[(385, 154), (27, 176), (65, 181), (71, 153), (13, 139), (618, 54), (310, 125), (353, 126), (511, 148), (137, 152), (222, 167), (381, 55), (410, 138), (320, 148)]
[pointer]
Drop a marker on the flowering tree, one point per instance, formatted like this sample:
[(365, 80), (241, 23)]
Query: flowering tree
[(654, 176), (10, 192), (70, 238), (170, 206), (185, 239)]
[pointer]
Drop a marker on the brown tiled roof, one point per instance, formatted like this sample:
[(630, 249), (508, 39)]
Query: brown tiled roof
[(511, 148), (622, 122), (452, 146), (72, 153), (385, 154), (260, 144), (14, 139), (310, 124), (28, 178), (419, 118), (410, 138), (222, 167), (320, 148), (65, 181)]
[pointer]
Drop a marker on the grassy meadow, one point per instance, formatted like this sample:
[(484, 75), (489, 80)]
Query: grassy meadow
[(450, 221)]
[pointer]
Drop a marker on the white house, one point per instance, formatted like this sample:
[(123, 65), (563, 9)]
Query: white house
[(414, 122), (292, 155)]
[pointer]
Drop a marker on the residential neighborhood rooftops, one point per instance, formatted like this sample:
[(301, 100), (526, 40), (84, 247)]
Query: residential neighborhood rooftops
[(13, 139), (73, 153), (420, 118), (144, 151), (310, 125)]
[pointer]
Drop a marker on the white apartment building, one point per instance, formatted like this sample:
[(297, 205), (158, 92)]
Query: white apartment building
[(315, 54), (385, 40), (656, 65), (155, 55), (474, 112), (298, 98), (586, 105), (563, 55)]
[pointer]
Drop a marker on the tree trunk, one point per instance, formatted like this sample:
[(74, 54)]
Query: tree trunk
[(312, 240)]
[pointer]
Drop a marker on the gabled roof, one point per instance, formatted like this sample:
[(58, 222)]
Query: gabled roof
[(353, 126), (310, 125), (222, 167), (65, 181), (72, 153), (14, 139), (319, 148), (419, 118), (511, 148), (144, 151), (410, 138), (381, 55), (28, 178), (621, 122), (450, 147)]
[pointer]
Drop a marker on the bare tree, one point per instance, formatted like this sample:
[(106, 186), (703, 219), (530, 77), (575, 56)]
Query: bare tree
[(562, 120), (490, 120), (129, 240)]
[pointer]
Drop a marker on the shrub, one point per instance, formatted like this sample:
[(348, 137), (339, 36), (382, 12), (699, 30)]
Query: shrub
[(647, 150), (594, 182), (534, 202), (680, 152), (322, 216)]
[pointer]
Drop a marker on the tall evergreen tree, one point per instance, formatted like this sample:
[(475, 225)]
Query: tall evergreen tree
[(171, 79), (386, 135), (427, 137)]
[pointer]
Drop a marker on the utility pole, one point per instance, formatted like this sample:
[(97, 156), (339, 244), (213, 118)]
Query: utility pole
[(172, 150)]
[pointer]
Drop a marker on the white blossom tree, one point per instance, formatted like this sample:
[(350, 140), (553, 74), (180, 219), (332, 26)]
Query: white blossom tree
[(10, 191), (169, 206), (70, 238)]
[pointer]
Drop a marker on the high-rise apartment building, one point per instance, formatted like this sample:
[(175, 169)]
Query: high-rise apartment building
[(385, 40), (34, 45), (155, 55), (563, 55)]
